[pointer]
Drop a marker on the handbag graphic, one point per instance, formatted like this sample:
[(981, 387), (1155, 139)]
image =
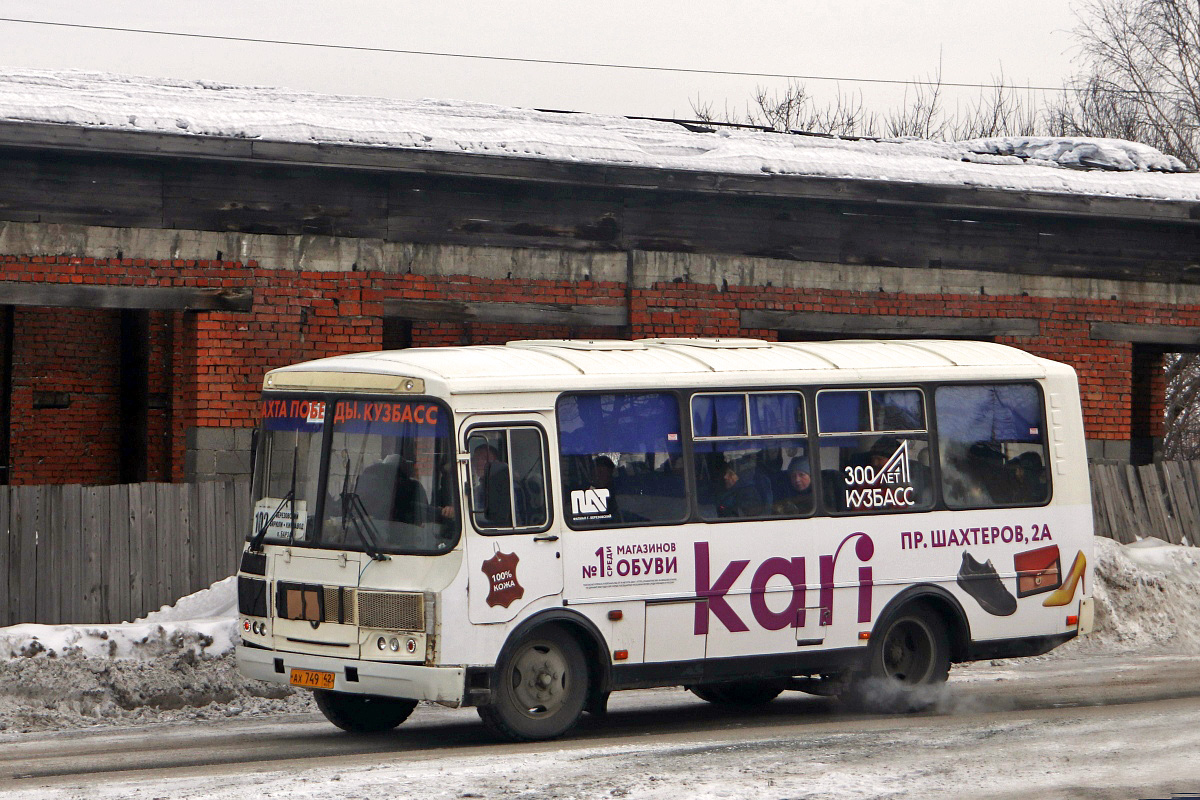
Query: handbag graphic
[(1038, 570)]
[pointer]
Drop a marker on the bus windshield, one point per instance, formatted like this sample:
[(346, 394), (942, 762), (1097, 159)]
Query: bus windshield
[(389, 484)]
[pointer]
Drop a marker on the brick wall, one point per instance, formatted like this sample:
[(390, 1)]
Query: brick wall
[(207, 367), (69, 359)]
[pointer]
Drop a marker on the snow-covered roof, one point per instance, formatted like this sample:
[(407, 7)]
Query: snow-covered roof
[(199, 110)]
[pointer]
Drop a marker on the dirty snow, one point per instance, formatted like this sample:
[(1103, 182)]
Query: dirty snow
[(174, 663), (177, 663), (259, 114)]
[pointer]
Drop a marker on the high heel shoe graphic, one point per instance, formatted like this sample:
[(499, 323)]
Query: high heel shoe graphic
[(1065, 593)]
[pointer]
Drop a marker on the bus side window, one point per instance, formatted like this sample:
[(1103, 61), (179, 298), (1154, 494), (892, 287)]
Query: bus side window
[(621, 459), (874, 450), (751, 455), (508, 479), (992, 445)]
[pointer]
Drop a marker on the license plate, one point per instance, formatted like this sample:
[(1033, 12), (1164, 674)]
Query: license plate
[(311, 679)]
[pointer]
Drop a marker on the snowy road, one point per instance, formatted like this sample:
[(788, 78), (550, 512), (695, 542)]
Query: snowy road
[(1076, 727)]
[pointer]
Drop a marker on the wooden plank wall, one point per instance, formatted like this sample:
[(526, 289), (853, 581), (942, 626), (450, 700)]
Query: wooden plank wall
[(71, 554), (1156, 500)]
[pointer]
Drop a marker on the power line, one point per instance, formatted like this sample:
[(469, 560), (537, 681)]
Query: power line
[(515, 60)]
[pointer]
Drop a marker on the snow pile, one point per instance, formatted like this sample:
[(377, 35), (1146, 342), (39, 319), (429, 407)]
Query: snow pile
[(202, 624), (198, 108), (1147, 597), (173, 663), (178, 662), (1076, 153)]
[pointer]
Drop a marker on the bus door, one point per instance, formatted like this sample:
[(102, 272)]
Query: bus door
[(513, 554)]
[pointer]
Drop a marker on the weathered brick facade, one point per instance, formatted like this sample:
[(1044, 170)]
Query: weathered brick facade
[(206, 367)]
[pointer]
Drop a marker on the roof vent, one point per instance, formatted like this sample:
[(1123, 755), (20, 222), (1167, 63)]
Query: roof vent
[(712, 344), (580, 344)]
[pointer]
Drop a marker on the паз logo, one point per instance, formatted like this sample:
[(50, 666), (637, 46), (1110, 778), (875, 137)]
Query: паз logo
[(589, 502), (501, 572)]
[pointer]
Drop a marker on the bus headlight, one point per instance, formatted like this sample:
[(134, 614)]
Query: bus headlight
[(381, 644), (394, 644)]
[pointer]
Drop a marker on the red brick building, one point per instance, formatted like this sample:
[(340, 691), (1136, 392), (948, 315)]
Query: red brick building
[(148, 278)]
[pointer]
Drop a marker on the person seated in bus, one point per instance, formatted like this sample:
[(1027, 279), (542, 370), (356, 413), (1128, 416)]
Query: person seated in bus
[(375, 487), (410, 504), (975, 478), (603, 471), (738, 496), (491, 500), (1028, 478), (798, 498)]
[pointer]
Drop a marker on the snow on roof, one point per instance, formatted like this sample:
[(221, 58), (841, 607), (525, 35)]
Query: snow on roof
[(205, 109)]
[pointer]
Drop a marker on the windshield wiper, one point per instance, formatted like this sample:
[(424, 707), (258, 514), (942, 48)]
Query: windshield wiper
[(290, 497), (361, 524), (360, 520)]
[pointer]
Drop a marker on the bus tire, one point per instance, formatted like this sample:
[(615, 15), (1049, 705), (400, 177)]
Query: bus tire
[(539, 688), (363, 713), (739, 693), (907, 661)]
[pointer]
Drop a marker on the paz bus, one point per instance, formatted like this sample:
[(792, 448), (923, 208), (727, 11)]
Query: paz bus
[(525, 528)]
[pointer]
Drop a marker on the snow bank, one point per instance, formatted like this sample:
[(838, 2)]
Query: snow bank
[(174, 663), (203, 624), (177, 662), (200, 108), (1147, 598)]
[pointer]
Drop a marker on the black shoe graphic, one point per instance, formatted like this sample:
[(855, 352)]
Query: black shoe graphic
[(983, 583)]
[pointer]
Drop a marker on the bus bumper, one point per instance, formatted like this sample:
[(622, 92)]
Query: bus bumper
[(1087, 616), (445, 685)]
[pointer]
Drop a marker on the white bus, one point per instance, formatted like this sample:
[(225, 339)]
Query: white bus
[(526, 528)]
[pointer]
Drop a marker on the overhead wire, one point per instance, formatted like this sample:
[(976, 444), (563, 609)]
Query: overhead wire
[(540, 61)]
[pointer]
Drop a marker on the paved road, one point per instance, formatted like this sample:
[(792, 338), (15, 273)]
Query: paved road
[(991, 723)]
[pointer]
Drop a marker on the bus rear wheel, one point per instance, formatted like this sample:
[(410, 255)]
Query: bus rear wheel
[(363, 713), (909, 656), (739, 693), (539, 689)]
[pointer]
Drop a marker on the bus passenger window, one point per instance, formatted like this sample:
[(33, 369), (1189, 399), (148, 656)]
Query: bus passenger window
[(992, 444), (751, 457), (621, 459), (874, 450), (508, 479)]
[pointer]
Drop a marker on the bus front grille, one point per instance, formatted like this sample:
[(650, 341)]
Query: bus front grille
[(397, 611), (339, 605), (391, 611)]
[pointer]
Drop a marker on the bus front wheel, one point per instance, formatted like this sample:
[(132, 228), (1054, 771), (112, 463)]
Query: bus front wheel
[(907, 661), (363, 713), (539, 689)]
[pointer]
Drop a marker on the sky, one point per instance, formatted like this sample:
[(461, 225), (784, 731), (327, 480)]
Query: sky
[(1028, 41)]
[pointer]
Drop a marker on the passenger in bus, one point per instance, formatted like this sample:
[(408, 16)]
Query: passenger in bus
[(602, 473), (410, 504), (799, 496), (603, 470), (1029, 478), (738, 496), (491, 501)]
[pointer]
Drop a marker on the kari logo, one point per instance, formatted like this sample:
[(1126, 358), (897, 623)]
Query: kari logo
[(501, 572), (794, 569), (589, 502)]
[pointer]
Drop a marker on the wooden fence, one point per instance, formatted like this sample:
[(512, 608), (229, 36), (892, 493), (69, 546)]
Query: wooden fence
[(1160, 500), (111, 553)]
